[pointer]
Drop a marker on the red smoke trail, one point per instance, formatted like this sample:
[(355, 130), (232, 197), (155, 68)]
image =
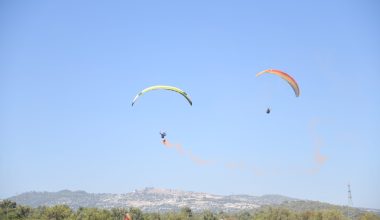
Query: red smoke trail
[(178, 147), (182, 151), (319, 159), (197, 160)]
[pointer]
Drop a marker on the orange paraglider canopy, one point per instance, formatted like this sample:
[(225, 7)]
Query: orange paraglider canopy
[(292, 82)]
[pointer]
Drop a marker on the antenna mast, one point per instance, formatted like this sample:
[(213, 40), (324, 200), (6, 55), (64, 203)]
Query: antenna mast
[(350, 203)]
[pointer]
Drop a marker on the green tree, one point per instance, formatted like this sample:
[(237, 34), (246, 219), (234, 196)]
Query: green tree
[(333, 214), (369, 216), (186, 213), (245, 216), (276, 214), (311, 215), (93, 214), (152, 216), (58, 212), (207, 215), (8, 209), (38, 213), (23, 212), (118, 213), (136, 213)]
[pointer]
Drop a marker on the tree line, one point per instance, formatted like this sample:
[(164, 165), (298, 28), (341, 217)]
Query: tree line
[(9, 210)]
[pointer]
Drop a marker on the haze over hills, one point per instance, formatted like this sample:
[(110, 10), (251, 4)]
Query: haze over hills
[(149, 199), (164, 200)]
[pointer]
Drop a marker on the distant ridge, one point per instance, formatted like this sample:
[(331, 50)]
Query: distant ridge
[(149, 199), (164, 200)]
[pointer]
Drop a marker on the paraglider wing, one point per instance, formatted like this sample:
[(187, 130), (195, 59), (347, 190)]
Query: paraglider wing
[(171, 88), (286, 77)]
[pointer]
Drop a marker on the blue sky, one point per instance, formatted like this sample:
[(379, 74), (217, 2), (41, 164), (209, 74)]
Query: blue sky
[(70, 69)]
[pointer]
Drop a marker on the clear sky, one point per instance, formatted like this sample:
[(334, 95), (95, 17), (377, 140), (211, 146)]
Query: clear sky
[(70, 69)]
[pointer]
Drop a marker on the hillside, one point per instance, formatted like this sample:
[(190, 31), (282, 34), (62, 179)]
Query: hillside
[(164, 200)]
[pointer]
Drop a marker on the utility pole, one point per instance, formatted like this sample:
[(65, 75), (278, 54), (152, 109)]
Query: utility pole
[(350, 203)]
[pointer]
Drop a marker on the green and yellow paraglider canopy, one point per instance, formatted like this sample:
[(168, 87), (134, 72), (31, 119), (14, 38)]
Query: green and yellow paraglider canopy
[(171, 88)]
